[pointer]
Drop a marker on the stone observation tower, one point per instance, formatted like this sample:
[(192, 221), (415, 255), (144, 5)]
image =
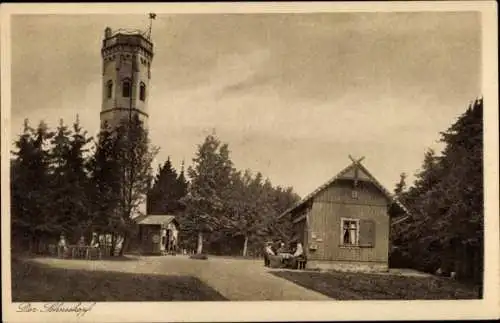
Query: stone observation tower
[(126, 72)]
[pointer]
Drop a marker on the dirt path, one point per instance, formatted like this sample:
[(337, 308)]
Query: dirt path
[(235, 279)]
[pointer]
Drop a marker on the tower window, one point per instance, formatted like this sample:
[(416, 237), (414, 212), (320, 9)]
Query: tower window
[(109, 89), (142, 93), (126, 89)]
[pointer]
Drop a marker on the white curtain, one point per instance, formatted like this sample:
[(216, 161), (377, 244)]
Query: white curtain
[(353, 231)]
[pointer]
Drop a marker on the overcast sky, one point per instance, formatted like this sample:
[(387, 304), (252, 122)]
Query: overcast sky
[(293, 95)]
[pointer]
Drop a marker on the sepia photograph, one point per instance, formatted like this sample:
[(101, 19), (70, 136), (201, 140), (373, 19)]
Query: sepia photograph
[(206, 156)]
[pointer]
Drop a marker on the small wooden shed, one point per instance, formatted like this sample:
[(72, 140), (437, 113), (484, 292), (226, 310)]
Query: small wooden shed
[(158, 234), (345, 223)]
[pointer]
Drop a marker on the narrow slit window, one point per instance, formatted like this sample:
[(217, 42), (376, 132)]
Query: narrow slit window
[(142, 92), (126, 89), (109, 89)]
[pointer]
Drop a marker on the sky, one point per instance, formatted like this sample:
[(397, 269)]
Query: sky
[(292, 94)]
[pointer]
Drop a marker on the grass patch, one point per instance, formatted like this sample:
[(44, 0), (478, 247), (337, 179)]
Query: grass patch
[(33, 282), (199, 256), (359, 286)]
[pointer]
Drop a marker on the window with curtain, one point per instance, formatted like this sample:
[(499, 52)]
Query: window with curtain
[(350, 232)]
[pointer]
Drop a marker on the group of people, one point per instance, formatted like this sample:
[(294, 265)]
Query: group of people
[(278, 253), (63, 247)]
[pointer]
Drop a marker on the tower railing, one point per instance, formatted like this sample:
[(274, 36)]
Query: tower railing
[(129, 31), (121, 38)]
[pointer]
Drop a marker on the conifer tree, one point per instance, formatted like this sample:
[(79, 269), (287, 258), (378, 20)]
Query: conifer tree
[(78, 163), (69, 179), (60, 186), (400, 186), (31, 209), (446, 227), (460, 225), (22, 174), (163, 197), (104, 184), (182, 187)]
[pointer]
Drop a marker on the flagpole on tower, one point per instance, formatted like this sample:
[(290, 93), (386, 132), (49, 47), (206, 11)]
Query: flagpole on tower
[(152, 16)]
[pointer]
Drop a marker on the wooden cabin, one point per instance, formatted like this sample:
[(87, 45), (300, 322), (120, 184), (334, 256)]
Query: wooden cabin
[(158, 234), (345, 223)]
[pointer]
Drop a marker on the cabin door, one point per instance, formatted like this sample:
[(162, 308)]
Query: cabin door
[(164, 239), (169, 240)]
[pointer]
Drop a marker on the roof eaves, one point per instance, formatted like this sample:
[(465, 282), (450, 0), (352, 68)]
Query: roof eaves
[(315, 192), (400, 220), (166, 219), (333, 179), (384, 190)]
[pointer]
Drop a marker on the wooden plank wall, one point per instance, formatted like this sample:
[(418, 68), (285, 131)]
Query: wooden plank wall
[(325, 222), (300, 229), (340, 191)]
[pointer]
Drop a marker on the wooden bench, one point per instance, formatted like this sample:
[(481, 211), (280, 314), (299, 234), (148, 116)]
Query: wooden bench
[(301, 263), (63, 252)]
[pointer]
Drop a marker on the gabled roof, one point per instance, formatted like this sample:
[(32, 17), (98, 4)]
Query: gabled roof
[(158, 219), (355, 164)]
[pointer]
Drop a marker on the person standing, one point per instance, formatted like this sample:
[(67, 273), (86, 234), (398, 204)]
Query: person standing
[(94, 246), (62, 246), (173, 245), (94, 243), (268, 251), (297, 255), (81, 247)]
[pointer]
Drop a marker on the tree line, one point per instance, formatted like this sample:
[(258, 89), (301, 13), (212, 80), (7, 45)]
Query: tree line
[(65, 181), (445, 231), (221, 209)]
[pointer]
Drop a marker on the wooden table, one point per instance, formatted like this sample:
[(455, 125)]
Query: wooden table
[(285, 255)]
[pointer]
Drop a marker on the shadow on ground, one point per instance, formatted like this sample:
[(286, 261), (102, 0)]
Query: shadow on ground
[(32, 282), (359, 286), (130, 257)]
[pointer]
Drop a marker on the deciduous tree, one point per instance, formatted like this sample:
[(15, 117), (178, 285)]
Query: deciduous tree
[(209, 177)]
